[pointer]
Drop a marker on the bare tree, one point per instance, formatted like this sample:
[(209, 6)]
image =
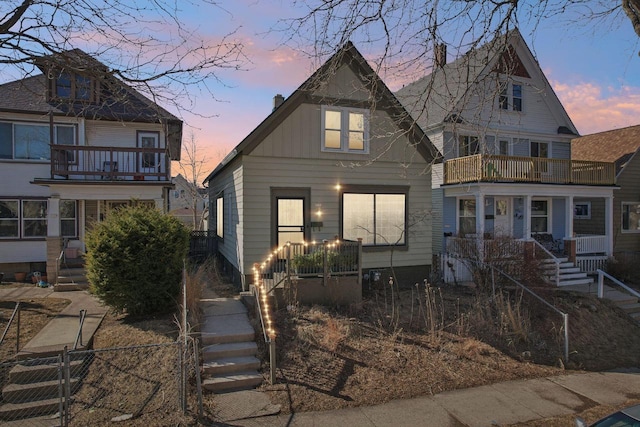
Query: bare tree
[(192, 165), (144, 43)]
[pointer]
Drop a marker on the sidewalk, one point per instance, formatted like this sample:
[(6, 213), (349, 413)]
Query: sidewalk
[(62, 330)]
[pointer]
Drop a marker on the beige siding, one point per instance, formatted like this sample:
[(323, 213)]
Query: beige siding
[(321, 177), (343, 84), (118, 134), (629, 183)]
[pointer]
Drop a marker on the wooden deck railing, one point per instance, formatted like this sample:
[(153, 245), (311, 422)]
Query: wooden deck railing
[(75, 162), (493, 168)]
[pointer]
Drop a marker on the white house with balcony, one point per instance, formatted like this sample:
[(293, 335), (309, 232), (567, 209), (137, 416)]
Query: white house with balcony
[(506, 142), (75, 144)]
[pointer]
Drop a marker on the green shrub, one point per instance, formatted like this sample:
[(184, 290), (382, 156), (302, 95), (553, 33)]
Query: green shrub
[(134, 260)]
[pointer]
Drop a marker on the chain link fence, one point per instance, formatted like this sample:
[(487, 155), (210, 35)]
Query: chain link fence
[(143, 385)]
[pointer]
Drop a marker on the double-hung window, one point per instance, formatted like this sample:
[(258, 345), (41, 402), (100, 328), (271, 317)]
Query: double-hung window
[(468, 145), (9, 219), (467, 217), (378, 217), (510, 97), (345, 129), (630, 217), (30, 141), (540, 216), (68, 218)]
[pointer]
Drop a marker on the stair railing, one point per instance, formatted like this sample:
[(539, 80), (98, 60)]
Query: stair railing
[(549, 255), (14, 315), (83, 314), (601, 276), (266, 318)]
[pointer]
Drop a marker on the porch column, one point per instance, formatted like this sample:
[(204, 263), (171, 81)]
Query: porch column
[(480, 215), (568, 217), (53, 216), (608, 221), (54, 240), (527, 217)]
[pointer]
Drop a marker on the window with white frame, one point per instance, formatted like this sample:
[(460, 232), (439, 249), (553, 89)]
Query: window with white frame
[(68, 218), (630, 217), (220, 216), (468, 145), (34, 218), (9, 219), (345, 129), (510, 97), (30, 141), (466, 217), (582, 210), (540, 216), (376, 217)]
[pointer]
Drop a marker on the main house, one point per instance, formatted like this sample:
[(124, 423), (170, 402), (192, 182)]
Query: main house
[(506, 142), (75, 143), (622, 147), (338, 158)]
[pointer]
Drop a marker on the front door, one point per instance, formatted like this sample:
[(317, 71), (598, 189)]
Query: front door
[(502, 217), (289, 216), (148, 162)]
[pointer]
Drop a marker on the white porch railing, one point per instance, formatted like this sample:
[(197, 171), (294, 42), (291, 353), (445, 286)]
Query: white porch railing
[(591, 244), (591, 264)]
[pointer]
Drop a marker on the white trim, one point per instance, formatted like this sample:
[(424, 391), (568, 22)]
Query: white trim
[(631, 230), (582, 216)]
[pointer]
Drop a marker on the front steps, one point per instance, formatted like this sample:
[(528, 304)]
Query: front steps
[(569, 274), (72, 276), (229, 348), (34, 388)]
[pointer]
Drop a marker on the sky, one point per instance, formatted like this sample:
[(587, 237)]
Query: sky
[(594, 70)]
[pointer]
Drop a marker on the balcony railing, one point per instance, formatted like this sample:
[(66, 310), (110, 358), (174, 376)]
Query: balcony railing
[(74, 162), (493, 168)]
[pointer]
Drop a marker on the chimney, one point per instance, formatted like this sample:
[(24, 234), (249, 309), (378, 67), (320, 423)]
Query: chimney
[(440, 55), (277, 101)]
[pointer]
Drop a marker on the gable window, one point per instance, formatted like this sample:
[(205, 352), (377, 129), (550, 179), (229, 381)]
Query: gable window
[(30, 141), (630, 217), (73, 86), (510, 97), (68, 218), (540, 216), (467, 217), (345, 129), (582, 210), (376, 217), (468, 145), (220, 216)]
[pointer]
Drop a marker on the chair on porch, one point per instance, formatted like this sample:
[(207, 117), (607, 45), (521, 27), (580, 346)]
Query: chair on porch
[(546, 240)]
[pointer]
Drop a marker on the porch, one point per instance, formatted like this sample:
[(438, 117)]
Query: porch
[(94, 163), (495, 168)]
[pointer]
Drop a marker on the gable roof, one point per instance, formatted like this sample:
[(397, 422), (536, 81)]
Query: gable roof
[(118, 101), (380, 94), (440, 96), (618, 146)]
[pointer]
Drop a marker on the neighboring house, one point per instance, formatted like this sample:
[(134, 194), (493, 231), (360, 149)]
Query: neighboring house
[(620, 146), (506, 142), (75, 144), (337, 158), (189, 204)]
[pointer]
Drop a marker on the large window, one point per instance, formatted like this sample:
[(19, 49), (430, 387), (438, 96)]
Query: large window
[(468, 145), (377, 218), (23, 219), (220, 216), (467, 217), (30, 141), (630, 217), (345, 129), (540, 216), (68, 218), (510, 97)]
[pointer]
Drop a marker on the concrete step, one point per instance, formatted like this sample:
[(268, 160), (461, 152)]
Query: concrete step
[(571, 282), (14, 411), (30, 373), (551, 261), (230, 365), (572, 275), (68, 287), (233, 382), (19, 393), (232, 328), (620, 297), (234, 349), (630, 308)]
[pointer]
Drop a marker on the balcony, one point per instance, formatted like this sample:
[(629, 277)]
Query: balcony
[(87, 163), (493, 168)]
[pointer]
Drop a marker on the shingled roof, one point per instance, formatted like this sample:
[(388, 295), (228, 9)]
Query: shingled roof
[(617, 145)]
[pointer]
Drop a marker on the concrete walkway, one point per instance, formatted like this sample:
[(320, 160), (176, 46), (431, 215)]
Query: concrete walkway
[(492, 405), (62, 330)]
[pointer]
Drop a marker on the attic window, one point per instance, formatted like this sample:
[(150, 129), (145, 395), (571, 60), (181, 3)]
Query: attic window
[(510, 97), (74, 87), (345, 129)]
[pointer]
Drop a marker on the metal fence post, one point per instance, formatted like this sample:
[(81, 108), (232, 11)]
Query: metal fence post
[(182, 380), (272, 360), (196, 365), (67, 385), (565, 317), (60, 393), (600, 284), (325, 262), (18, 331)]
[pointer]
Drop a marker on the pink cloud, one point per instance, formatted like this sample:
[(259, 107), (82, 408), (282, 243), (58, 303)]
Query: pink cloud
[(595, 108)]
